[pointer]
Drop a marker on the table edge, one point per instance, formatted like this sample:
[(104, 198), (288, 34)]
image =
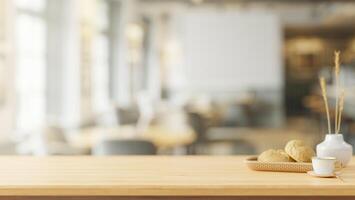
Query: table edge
[(176, 191)]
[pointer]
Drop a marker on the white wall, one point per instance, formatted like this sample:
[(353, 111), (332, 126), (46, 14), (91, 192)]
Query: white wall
[(231, 51), (7, 107), (224, 55)]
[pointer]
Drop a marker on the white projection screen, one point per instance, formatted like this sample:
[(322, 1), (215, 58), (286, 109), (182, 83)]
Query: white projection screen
[(237, 51)]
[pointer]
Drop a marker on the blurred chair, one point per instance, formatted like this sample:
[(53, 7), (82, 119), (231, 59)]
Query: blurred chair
[(49, 141), (198, 124), (128, 116), (8, 148), (124, 147), (54, 133)]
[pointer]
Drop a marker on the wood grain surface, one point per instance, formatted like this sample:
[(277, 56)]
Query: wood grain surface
[(159, 176)]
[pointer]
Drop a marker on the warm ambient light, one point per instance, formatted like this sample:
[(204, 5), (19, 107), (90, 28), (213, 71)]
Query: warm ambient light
[(197, 1), (305, 45), (172, 51), (134, 33)]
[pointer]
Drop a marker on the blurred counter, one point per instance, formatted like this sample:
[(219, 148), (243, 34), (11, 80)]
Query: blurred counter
[(263, 138), (162, 137)]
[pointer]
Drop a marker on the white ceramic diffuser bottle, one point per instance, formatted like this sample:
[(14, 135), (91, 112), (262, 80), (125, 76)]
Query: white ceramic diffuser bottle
[(335, 146)]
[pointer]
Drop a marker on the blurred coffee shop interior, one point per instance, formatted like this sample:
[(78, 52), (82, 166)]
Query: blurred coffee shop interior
[(170, 77)]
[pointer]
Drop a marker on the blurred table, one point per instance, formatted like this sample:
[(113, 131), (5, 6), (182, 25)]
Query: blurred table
[(262, 138), (162, 137)]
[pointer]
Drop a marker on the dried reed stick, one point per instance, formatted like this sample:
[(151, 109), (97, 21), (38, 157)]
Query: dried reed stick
[(336, 73), (341, 108), (324, 94)]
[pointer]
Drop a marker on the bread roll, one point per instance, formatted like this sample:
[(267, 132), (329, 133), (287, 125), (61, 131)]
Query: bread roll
[(273, 155), (298, 151)]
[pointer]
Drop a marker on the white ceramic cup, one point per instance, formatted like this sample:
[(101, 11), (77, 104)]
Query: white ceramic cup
[(323, 165)]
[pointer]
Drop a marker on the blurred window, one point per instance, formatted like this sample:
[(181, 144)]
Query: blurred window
[(36, 6), (101, 57), (30, 36)]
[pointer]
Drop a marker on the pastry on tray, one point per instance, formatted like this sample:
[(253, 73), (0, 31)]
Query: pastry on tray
[(295, 158), (273, 155), (298, 151)]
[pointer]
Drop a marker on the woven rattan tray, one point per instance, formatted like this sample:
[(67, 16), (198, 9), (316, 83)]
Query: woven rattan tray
[(252, 163)]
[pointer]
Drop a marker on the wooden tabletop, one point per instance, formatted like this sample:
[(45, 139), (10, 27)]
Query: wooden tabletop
[(158, 176)]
